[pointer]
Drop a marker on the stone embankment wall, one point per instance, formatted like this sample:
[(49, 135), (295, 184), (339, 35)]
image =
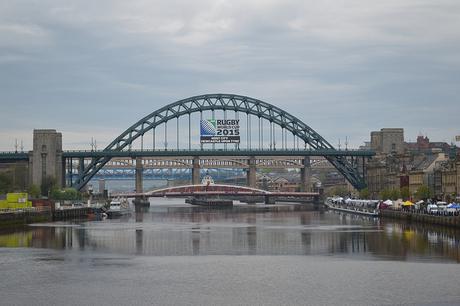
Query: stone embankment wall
[(24, 217), (422, 218), (43, 215), (71, 213)]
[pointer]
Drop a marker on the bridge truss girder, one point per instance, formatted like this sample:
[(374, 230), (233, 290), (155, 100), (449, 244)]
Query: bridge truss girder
[(158, 174), (204, 162)]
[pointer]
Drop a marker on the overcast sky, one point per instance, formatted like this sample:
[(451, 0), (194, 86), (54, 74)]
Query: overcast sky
[(345, 67)]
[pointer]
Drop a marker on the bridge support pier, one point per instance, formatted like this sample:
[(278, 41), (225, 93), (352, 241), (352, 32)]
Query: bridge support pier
[(63, 174), (268, 199), (81, 166), (139, 176), (196, 171), (305, 175), (251, 173)]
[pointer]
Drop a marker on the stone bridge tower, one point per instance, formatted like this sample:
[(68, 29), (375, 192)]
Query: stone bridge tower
[(46, 158)]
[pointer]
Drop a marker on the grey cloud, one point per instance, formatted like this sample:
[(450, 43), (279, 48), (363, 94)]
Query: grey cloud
[(345, 68)]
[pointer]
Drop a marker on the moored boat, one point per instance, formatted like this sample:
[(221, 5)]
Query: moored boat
[(118, 207), (354, 206)]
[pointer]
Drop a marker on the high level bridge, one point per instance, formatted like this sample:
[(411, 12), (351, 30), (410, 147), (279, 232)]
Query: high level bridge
[(169, 138)]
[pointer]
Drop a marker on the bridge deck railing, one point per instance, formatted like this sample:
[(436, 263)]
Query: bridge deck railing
[(218, 152), (12, 156)]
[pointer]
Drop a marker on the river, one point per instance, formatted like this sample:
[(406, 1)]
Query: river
[(176, 254)]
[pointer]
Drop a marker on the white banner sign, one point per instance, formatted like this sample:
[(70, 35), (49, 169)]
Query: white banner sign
[(220, 131)]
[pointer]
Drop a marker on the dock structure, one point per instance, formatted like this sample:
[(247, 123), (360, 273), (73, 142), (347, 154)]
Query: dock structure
[(42, 214)]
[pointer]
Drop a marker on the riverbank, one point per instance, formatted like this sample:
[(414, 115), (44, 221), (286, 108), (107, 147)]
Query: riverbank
[(453, 221), (27, 216), (16, 218)]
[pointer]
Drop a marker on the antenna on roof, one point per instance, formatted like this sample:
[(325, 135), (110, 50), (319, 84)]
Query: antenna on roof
[(93, 144)]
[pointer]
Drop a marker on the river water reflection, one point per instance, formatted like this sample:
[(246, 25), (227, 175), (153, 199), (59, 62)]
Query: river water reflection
[(176, 254), (171, 227)]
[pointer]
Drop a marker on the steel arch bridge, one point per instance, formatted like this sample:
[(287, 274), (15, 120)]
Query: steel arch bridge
[(223, 102)]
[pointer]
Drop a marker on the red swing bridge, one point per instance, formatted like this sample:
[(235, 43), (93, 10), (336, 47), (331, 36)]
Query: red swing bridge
[(230, 191)]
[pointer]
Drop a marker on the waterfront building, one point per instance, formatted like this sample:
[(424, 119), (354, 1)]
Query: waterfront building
[(424, 145), (422, 171), (449, 182), (383, 172), (398, 164), (437, 182), (458, 179), (446, 183), (285, 185), (417, 178), (388, 140)]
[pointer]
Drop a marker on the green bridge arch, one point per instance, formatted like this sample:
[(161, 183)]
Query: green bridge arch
[(225, 102)]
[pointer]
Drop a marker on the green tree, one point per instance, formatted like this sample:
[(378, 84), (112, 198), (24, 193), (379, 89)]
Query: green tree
[(385, 194), (394, 194), (388, 193), (337, 191), (34, 191), (340, 191), (6, 183), (423, 192), (364, 193), (405, 193), (55, 194), (70, 194)]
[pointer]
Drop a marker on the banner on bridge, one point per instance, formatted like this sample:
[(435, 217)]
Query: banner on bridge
[(220, 131)]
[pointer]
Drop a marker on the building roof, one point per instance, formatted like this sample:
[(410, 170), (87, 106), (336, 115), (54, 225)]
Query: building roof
[(422, 162), (281, 180)]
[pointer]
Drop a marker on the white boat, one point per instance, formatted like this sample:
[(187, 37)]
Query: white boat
[(118, 207), (354, 206)]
